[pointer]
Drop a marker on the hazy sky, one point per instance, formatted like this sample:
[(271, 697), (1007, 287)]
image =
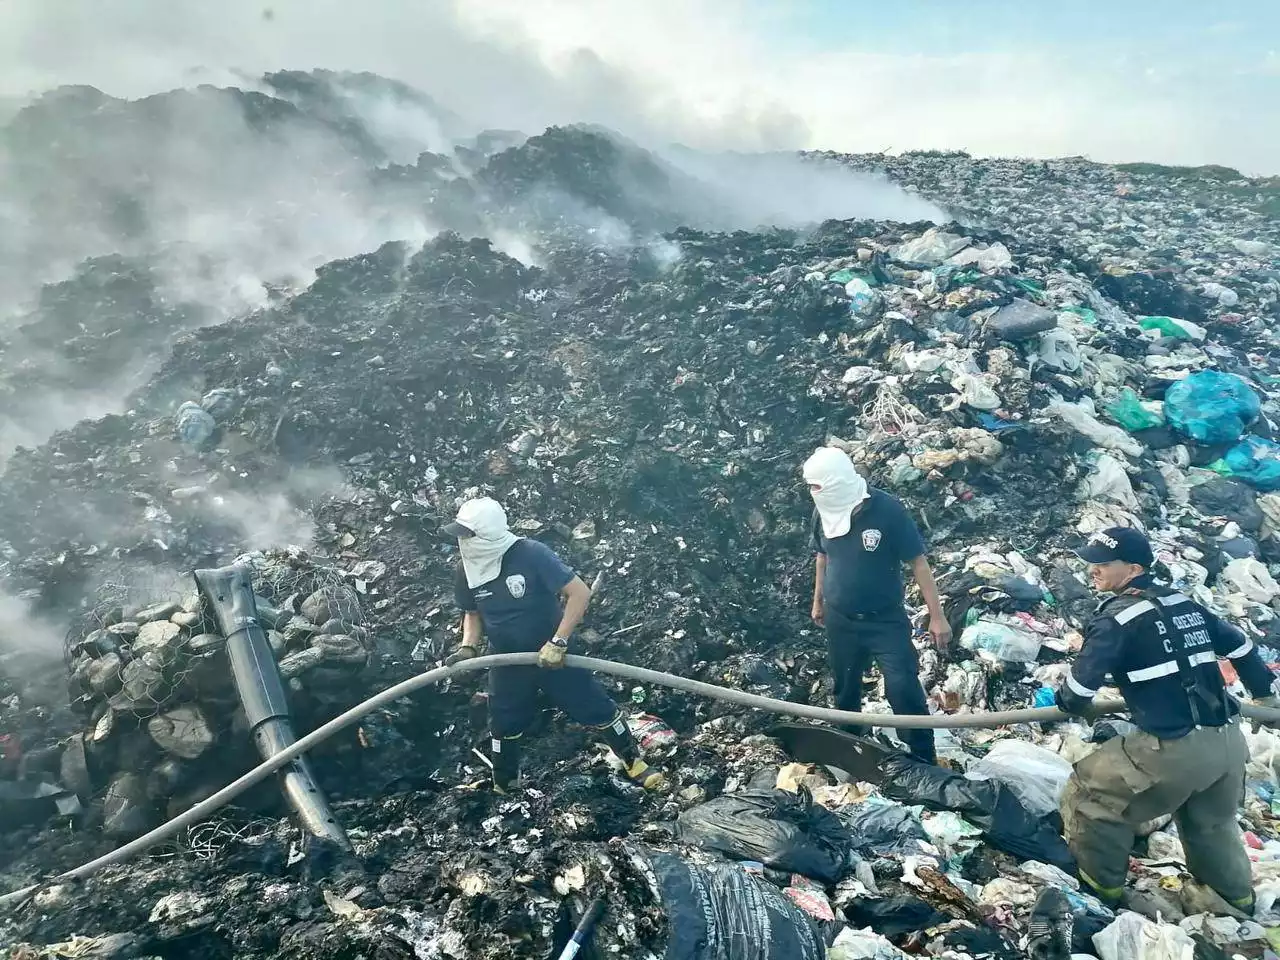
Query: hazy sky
[(1179, 81)]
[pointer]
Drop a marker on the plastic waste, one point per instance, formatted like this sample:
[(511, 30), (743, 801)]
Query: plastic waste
[(1225, 296), (1021, 319), (1082, 420), (722, 912), (884, 828), (784, 830), (841, 276), (1109, 481), (1253, 248), (1134, 937), (1250, 577), (1110, 727), (892, 916), (951, 833), (219, 402), (862, 945), (976, 391), (1058, 349), (1254, 460), (929, 249), (988, 804), (993, 258), (1223, 497), (1269, 505), (1128, 411), (1211, 407), (1001, 640), (993, 424), (1169, 327), (1036, 775), (810, 897), (195, 425), (863, 301), (655, 737)]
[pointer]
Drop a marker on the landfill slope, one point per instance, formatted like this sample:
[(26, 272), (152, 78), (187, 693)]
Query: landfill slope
[(642, 406)]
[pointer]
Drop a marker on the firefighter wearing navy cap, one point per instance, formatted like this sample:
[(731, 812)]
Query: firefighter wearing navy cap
[(1188, 756), (523, 597)]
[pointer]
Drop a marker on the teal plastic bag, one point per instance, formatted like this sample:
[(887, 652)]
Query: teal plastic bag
[(1167, 326), (1211, 407), (1129, 412), (1254, 460)]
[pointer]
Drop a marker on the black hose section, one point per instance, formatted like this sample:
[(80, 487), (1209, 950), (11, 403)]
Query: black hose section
[(639, 674)]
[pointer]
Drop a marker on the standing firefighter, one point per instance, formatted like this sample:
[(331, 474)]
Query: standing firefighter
[(863, 538), (524, 598), (1188, 756)]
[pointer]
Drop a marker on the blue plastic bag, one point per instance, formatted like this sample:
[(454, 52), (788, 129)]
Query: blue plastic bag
[(1211, 407), (1255, 461)]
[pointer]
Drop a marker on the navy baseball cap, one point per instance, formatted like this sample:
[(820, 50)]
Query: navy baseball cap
[(1118, 543)]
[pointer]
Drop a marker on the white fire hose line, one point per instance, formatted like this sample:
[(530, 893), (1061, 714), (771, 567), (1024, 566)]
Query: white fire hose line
[(259, 773)]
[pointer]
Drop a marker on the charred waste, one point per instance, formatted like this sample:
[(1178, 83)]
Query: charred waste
[(635, 360)]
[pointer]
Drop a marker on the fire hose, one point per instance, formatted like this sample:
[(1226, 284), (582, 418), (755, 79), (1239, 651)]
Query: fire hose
[(625, 671)]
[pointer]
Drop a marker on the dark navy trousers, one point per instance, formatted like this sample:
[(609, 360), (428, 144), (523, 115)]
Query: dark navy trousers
[(513, 697), (854, 643)]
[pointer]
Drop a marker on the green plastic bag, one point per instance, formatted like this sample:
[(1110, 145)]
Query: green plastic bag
[(841, 276), (1166, 325), (1129, 412)]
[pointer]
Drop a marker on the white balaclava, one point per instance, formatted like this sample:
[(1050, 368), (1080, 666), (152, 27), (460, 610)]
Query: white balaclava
[(836, 488), (491, 538)]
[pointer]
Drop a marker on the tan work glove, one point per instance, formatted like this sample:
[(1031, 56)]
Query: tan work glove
[(553, 653), (464, 652)]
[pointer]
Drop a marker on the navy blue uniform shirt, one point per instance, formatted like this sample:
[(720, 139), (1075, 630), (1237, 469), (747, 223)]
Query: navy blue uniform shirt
[(1139, 640), (864, 567), (521, 607)]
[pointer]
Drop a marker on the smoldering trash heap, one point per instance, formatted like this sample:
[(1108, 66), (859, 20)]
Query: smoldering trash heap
[(1071, 347)]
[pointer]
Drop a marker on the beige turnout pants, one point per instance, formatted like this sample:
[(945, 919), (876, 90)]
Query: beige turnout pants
[(1198, 778)]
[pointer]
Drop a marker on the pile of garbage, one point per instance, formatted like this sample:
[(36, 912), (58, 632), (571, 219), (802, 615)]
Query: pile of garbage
[(1086, 347), (165, 726)]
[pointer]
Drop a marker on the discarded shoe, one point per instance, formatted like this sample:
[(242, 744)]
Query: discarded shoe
[(1049, 929)]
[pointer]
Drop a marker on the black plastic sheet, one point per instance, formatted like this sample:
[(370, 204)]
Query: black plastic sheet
[(987, 804), (784, 830), (721, 912)]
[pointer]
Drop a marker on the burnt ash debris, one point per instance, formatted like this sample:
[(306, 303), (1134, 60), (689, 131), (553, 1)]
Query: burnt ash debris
[(640, 400)]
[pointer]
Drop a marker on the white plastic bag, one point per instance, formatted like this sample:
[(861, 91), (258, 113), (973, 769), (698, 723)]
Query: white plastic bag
[(976, 391), (863, 944), (1083, 421), (1250, 577), (1180, 487), (993, 258), (1109, 481), (931, 248), (1035, 775), (1058, 349), (1001, 640), (1133, 937)]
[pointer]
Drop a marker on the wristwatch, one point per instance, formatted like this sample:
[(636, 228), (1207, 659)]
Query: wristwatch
[(560, 641)]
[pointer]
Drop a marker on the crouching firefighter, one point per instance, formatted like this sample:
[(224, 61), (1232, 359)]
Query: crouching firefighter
[(1188, 756), (510, 590)]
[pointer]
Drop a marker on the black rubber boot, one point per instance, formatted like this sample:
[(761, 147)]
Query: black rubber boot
[(618, 737), (505, 754)]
